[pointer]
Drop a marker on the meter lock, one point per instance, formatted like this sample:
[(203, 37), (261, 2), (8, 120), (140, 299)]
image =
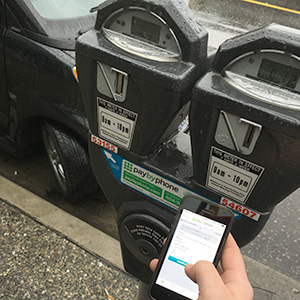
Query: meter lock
[(112, 82), (237, 133)]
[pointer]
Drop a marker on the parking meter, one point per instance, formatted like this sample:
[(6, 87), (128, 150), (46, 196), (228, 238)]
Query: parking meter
[(145, 66), (245, 124), (137, 68)]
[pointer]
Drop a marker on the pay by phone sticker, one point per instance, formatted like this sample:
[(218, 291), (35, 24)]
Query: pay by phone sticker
[(232, 176), (153, 185), (148, 183), (115, 123)]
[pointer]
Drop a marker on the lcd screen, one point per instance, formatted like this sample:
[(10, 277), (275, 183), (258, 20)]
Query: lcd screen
[(145, 30), (279, 74)]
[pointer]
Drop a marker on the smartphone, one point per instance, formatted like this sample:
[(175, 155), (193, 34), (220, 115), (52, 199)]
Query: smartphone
[(198, 233)]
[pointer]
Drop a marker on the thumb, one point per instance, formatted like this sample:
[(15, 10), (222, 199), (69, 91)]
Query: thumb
[(204, 274)]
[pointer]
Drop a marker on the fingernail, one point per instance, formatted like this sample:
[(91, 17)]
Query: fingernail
[(188, 266)]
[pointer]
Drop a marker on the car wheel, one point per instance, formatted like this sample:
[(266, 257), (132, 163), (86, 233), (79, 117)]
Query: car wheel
[(70, 162)]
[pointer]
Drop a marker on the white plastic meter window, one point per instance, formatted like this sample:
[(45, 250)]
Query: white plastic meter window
[(142, 33), (268, 75)]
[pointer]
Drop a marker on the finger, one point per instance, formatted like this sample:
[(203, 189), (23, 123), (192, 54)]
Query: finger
[(231, 257), (153, 264), (205, 274), (235, 275)]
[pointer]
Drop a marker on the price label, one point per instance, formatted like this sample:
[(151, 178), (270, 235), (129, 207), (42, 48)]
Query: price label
[(245, 211), (231, 175), (115, 123)]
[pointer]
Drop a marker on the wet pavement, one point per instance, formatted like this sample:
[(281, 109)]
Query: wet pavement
[(39, 263), (248, 14)]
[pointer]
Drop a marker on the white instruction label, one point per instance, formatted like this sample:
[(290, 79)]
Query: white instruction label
[(232, 176), (115, 123)]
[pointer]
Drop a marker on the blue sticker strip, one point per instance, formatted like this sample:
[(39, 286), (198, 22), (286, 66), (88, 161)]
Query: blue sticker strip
[(146, 182)]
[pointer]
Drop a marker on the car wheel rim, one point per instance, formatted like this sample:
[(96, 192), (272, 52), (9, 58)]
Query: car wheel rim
[(56, 163)]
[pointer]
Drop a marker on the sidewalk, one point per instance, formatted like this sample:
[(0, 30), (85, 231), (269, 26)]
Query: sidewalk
[(38, 263), (48, 254)]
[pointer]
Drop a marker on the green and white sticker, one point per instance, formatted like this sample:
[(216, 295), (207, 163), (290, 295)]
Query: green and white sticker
[(146, 182), (152, 185)]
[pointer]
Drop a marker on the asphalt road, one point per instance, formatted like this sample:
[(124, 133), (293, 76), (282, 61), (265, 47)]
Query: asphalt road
[(277, 245), (249, 14)]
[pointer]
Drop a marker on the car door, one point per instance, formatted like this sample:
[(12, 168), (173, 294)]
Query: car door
[(21, 58), (4, 104)]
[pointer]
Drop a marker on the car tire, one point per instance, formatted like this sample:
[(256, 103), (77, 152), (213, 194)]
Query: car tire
[(69, 161)]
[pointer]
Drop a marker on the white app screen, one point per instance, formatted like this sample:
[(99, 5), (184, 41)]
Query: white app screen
[(195, 238)]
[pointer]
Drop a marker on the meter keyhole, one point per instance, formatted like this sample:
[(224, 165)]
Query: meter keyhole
[(144, 251)]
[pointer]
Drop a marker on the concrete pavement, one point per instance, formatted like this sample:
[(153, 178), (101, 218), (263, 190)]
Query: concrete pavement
[(47, 253)]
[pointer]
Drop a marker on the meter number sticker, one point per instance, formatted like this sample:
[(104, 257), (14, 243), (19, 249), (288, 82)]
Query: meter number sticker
[(232, 176), (115, 123), (104, 144), (241, 209)]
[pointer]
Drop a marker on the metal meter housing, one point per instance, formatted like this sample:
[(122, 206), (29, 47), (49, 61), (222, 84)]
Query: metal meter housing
[(137, 69), (246, 143), (147, 56)]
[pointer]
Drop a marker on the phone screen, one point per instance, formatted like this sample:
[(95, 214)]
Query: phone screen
[(196, 238)]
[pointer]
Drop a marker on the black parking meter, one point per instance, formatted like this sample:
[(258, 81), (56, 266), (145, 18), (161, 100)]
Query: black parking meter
[(136, 71), (143, 70), (137, 68), (245, 124)]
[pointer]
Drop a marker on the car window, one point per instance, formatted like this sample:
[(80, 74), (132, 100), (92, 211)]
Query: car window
[(57, 19), (53, 10)]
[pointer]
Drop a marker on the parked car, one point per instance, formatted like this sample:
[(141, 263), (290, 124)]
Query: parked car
[(39, 91)]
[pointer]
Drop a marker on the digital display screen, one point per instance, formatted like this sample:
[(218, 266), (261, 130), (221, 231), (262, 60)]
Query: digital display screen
[(279, 74), (145, 30), (196, 238)]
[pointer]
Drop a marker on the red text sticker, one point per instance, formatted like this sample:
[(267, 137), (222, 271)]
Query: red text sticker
[(243, 210), (108, 146)]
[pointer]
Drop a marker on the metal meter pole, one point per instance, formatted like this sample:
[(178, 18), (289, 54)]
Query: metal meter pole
[(143, 292)]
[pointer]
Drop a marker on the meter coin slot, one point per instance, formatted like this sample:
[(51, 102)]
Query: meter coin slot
[(237, 133), (112, 82), (250, 134), (121, 82)]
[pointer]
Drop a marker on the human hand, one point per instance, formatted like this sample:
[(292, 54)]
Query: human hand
[(229, 282)]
